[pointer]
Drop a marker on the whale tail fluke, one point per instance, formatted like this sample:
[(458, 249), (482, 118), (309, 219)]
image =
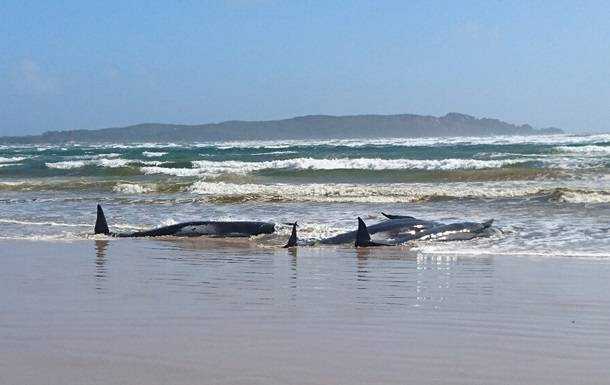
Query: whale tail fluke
[(101, 226), (292, 241), (363, 238)]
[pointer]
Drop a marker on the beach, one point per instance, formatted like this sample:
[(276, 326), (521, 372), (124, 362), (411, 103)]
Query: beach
[(214, 312)]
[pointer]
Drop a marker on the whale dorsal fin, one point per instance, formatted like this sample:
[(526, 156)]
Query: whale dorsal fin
[(101, 226), (292, 241), (363, 238)]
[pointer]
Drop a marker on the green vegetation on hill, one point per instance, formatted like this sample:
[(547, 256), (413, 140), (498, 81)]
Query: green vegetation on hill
[(305, 127)]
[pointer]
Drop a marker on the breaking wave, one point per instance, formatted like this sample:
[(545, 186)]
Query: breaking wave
[(171, 171), (12, 159), (232, 166), (102, 162), (591, 150), (578, 196), (389, 193), (153, 154), (594, 191), (133, 188), (416, 142)]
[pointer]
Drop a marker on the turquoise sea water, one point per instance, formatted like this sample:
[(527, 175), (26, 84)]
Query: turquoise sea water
[(548, 194)]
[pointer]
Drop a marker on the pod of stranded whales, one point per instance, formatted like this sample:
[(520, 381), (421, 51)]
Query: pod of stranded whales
[(396, 230)]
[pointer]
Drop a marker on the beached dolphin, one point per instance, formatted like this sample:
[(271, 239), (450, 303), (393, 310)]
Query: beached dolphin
[(191, 229), (390, 227), (451, 232)]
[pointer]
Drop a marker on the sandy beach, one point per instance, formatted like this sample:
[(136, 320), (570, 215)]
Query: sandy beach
[(196, 311)]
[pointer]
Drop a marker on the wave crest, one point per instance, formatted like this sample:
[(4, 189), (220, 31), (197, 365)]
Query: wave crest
[(386, 193), (102, 162), (133, 188), (232, 166)]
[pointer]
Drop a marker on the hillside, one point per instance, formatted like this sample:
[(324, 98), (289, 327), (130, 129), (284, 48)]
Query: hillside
[(305, 127)]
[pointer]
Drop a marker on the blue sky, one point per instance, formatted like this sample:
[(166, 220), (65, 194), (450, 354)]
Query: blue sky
[(77, 64)]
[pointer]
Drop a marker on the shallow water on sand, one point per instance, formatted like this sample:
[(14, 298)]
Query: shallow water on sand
[(235, 312)]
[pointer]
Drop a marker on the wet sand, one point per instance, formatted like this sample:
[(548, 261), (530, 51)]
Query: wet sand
[(213, 312)]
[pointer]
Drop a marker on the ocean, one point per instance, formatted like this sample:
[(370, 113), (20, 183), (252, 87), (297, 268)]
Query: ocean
[(548, 195)]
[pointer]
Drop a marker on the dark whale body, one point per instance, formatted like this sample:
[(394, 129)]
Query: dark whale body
[(191, 229), (393, 227), (460, 231), (451, 232)]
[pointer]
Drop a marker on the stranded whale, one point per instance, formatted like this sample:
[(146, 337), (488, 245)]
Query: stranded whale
[(400, 229), (392, 227), (191, 229), (451, 232)]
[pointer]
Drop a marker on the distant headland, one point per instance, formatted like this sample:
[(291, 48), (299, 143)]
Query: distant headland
[(303, 127)]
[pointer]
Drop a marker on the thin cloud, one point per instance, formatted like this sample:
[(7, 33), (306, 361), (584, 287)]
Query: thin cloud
[(29, 78)]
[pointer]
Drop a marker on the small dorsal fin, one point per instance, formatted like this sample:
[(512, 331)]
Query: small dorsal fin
[(292, 241), (101, 226), (363, 238), (390, 216)]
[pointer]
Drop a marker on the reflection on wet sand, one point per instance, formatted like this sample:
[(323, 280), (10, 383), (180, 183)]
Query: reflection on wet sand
[(294, 252), (246, 271), (211, 243), (218, 267), (237, 312), (101, 246)]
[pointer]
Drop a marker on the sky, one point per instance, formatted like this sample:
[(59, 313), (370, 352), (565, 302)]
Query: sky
[(76, 64)]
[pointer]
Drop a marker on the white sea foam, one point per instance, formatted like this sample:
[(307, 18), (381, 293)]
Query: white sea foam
[(144, 145), (112, 163), (45, 223), (590, 150), (206, 167), (171, 171), (109, 155), (102, 162), (91, 156), (133, 188), (151, 162), (10, 164), (576, 196), (14, 183), (396, 192), (66, 165), (273, 153), (435, 249), (563, 139), (559, 140), (412, 142), (12, 159), (153, 154), (232, 166)]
